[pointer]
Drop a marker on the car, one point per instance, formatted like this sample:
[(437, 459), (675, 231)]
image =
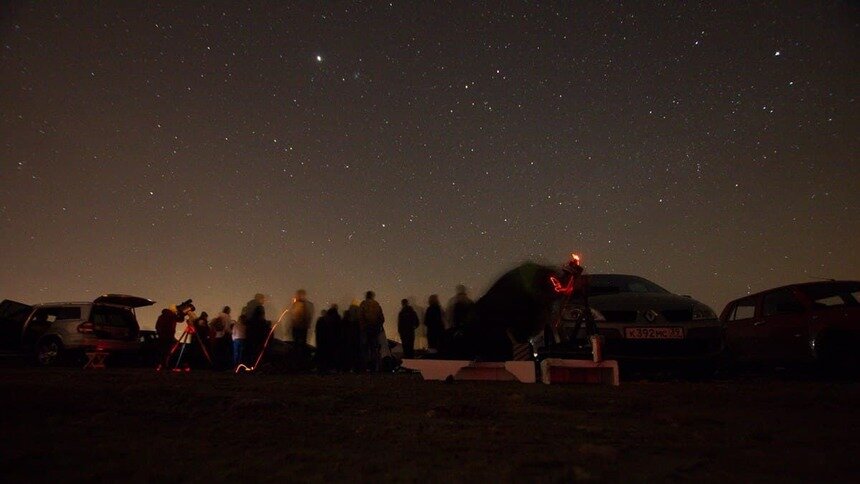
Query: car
[(641, 321), (52, 331), (813, 322)]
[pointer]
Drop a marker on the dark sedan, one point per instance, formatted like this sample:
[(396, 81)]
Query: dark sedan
[(642, 321)]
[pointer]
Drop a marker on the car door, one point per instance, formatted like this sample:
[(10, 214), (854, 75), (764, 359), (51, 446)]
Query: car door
[(38, 323), (740, 319), (784, 326)]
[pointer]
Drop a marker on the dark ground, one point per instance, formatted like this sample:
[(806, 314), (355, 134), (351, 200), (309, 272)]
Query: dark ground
[(137, 425)]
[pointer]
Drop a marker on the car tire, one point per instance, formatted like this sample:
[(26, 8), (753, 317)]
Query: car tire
[(49, 351)]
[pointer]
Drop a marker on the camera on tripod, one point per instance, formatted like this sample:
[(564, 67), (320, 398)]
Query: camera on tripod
[(186, 305), (185, 310)]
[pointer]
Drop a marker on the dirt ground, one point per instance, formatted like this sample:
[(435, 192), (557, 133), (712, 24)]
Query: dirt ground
[(138, 425)]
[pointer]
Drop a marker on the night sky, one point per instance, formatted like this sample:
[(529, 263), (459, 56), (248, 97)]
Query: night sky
[(183, 150)]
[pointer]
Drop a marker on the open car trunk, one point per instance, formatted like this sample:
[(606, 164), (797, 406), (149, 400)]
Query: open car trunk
[(124, 300), (13, 315)]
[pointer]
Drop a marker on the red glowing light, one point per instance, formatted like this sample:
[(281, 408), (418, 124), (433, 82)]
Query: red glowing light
[(560, 288), (574, 258)]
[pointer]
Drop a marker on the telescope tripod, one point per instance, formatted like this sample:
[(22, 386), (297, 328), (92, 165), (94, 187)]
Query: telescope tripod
[(184, 340), (573, 308)]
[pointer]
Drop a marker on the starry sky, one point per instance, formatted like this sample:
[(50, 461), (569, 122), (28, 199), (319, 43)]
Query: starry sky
[(212, 150)]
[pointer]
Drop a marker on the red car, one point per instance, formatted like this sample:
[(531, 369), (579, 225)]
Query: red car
[(809, 322)]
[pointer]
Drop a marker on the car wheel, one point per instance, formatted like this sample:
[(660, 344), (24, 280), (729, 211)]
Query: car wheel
[(48, 352)]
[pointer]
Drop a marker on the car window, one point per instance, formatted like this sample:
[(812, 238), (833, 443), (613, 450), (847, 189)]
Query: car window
[(781, 301), (637, 286), (112, 316), (600, 284), (833, 294), (744, 309), (51, 314)]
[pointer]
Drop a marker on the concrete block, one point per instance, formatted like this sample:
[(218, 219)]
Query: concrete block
[(557, 370)]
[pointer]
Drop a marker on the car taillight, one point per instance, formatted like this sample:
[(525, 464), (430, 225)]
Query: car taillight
[(86, 328)]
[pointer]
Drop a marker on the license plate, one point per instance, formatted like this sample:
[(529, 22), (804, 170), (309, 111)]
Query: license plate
[(654, 333)]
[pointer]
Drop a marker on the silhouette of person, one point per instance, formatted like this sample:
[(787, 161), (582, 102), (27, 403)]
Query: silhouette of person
[(301, 313), (407, 323), (459, 308), (433, 320), (370, 319)]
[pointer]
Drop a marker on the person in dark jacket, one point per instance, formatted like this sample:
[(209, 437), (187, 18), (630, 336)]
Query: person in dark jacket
[(260, 299), (165, 327), (200, 352), (459, 308), (327, 329), (433, 320), (257, 331), (219, 331), (370, 320), (348, 352), (407, 323)]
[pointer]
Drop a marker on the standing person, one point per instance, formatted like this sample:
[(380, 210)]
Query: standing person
[(407, 323), (327, 328), (221, 344), (165, 326), (434, 324), (301, 313), (201, 352), (370, 320), (239, 333), (349, 347), (459, 308), (257, 331), (259, 300), (201, 325)]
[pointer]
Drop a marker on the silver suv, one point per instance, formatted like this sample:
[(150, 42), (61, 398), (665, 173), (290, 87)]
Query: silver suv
[(51, 331)]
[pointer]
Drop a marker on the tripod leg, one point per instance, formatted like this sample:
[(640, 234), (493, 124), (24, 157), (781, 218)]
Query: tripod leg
[(184, 341), (166, 362)]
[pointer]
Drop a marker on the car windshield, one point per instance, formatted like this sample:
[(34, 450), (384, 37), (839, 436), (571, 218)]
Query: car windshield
[(833, 294), (614, 284)]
